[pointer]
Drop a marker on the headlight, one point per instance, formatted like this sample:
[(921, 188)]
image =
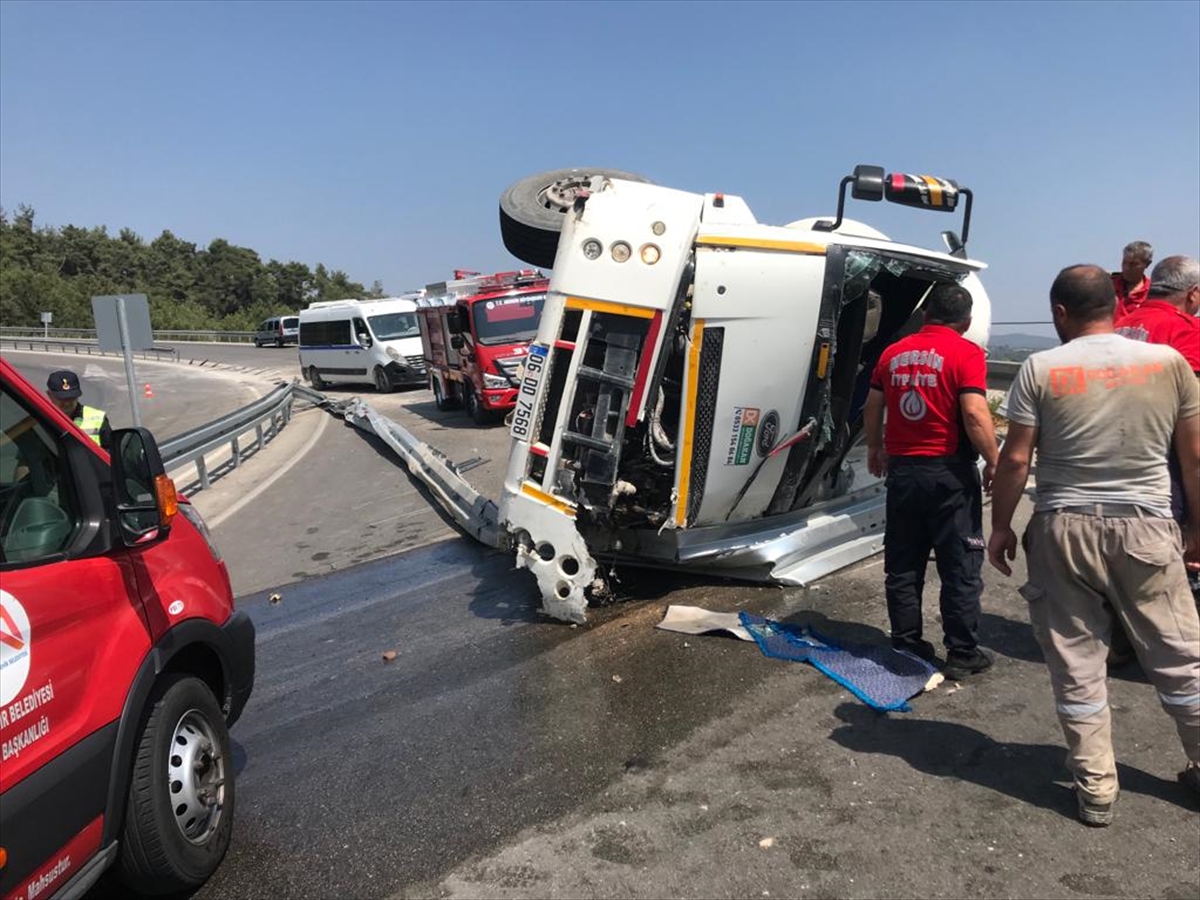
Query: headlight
[(494, 381), (193, 515), (393, 354)]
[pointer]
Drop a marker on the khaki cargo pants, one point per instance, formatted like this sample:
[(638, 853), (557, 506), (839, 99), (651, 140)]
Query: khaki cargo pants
[(1082, 569)]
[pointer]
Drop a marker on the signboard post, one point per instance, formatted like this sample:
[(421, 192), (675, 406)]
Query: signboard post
[(123, 323), (47, 318)]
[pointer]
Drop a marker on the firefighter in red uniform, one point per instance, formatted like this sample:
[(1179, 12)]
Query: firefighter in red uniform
[(1168, 316), (933, 385), (1131, 283)]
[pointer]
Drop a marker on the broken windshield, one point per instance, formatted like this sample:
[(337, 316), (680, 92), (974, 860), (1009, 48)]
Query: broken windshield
[(507, 320)]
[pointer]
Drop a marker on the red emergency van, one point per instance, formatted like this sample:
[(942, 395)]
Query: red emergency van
[(475, 333), (122, 663)]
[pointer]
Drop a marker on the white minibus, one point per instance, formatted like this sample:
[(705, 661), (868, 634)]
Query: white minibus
[(361, 342)]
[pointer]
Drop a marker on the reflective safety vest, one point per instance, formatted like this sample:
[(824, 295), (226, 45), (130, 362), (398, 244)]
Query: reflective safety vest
[(90, 420)]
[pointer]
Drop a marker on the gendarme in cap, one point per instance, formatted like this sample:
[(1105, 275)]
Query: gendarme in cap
[(64, 385)]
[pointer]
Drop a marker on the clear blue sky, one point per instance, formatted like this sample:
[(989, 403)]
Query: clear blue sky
[(376, 138)]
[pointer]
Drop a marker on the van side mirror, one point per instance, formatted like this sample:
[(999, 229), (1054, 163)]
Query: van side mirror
[(454, 323), (143, 494), (456, 341), (364, 339)]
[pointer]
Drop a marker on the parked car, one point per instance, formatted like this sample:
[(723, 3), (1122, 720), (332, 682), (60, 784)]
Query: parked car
[(279, 330), (122, 663)]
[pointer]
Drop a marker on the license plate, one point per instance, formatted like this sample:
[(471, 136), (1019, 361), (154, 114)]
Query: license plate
[(522, 420)]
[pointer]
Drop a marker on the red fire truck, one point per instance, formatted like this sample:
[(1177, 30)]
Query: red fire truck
[(475, 333)]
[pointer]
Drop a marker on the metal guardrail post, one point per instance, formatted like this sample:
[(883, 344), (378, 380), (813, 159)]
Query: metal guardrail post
[(202, 471)]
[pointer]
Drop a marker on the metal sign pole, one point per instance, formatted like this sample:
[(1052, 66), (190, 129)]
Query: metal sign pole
[(130, 378)]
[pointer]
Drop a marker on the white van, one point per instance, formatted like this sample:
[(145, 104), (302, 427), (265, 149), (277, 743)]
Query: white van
[(362, 342)]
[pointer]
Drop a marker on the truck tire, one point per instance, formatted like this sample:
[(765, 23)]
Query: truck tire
[(479, 414), (315, 379), (440, 400), (179, 812), (383, 384), (532, 210)]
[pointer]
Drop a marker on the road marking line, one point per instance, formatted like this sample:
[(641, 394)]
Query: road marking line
[(254, 494)]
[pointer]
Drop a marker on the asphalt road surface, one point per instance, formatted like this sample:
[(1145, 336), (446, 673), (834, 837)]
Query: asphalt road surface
[(503, 755)]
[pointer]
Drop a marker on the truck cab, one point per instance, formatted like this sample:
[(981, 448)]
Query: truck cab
[(475, 331), (694, 395)]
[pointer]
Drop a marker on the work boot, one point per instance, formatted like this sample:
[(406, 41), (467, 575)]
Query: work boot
[(922, 649), (1092, 814), (1190, 777), (959, 665)]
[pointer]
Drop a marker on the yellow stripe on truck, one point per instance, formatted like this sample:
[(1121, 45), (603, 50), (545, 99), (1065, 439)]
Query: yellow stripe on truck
[(761, 244), (617, 309), (542, 497), (689, 422)]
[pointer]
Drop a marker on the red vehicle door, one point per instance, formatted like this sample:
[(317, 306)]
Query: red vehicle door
[(72, 634)]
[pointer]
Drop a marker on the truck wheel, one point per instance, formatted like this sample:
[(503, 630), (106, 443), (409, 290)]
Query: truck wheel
[(532, 210), (179, 813), (475, 408), (315, 379), (440, 400), (383, 384)]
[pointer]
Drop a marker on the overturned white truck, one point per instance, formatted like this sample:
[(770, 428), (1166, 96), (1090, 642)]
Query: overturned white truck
[(694, 395)]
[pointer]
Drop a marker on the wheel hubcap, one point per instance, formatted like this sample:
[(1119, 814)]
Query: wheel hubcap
[(561, 195), (196, 777)]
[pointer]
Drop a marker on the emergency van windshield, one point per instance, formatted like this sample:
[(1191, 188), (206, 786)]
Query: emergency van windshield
[(508, 320), (391, 326)]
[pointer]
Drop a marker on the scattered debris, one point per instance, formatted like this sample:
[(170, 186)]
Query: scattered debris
[(767, 843), (275, 598), (389, 655), (879, 676), (694, 620), (617, 679)]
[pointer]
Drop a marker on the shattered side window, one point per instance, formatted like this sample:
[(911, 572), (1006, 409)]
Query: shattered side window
[(860, 270)]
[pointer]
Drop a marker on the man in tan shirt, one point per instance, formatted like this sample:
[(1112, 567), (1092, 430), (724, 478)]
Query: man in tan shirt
[(1102, 411)]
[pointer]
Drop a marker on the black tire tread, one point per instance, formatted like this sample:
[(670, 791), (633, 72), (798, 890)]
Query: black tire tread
[(529, 230), (144, 864)]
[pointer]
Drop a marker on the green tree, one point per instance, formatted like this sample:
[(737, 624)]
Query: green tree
[(222, 286)]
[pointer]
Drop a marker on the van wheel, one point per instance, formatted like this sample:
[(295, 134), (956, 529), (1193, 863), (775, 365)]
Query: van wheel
[(532, 210), (179, 813), (257, 345), (440, 400), (315, 379), (475, 409), (278, 342), (383, 384)]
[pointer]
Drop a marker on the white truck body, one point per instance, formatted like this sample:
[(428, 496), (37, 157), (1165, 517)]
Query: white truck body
[(654, 426)]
